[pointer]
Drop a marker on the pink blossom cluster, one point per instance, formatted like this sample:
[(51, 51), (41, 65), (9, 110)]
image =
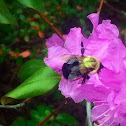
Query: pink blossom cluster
[(107, 88)]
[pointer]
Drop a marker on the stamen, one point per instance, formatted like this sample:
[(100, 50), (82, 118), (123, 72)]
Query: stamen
[(82, 49)]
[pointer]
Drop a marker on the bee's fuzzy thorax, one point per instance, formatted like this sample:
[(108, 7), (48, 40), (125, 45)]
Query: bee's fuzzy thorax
[(89, 62)]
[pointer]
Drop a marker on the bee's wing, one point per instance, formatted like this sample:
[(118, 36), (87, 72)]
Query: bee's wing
[(64, 58), (75, 73)]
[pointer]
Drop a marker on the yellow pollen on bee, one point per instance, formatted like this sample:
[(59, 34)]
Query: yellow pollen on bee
[(89, 62)]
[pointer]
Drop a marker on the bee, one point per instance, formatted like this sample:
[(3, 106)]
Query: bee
[(76, 67)]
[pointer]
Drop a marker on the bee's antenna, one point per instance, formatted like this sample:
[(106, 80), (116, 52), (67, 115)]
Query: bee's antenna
[(82, 49)]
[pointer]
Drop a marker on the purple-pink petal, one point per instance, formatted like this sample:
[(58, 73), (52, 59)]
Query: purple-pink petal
[(106, 30), (121, 98), (78, 92), (98, 112), (54, 40), (111, 79), (53, 59), (91, 93), (97, 49), (73, 41), (94, 18), (70, 89)]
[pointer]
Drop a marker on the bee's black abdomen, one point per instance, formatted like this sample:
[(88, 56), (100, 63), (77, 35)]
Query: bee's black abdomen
[(66, 70), (71, 69)]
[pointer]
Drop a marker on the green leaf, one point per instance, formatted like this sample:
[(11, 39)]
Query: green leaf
[(39, 83), (19, 122), (34, 4), (38, 115), (41, 109), (65, 118), (35, 116), (30, 123), (5, 15), (26, 38), (33, 23), (29, 68)]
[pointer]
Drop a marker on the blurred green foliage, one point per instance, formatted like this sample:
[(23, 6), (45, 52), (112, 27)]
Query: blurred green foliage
[(40, 113), (29, 23), (3, 52), (5, 15)]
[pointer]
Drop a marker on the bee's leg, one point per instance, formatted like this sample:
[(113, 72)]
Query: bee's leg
[(85, 77), (101, 66), (82, 48)]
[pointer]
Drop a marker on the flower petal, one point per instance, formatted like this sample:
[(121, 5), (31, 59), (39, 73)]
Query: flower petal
[(91, 93), (111, 79), (120, 118), (78, 92), (99, 111), (121, 98), (96, 48), (94, 18), (106, 30), (53, 59), (73, 41), (115, 55), (69, 89), (54, 40)]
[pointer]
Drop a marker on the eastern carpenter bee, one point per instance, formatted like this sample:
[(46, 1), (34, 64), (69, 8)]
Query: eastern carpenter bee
[(80, 66)]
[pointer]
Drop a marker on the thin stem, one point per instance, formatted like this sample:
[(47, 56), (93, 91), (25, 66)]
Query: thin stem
[(99, 10), (51, 25), (100, 6), (15, 106), (12, 106), (88, 109), (51, 114), (27, 99)]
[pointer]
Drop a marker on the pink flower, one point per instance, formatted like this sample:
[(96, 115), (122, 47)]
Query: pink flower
[(112, 111), (103, 44)]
